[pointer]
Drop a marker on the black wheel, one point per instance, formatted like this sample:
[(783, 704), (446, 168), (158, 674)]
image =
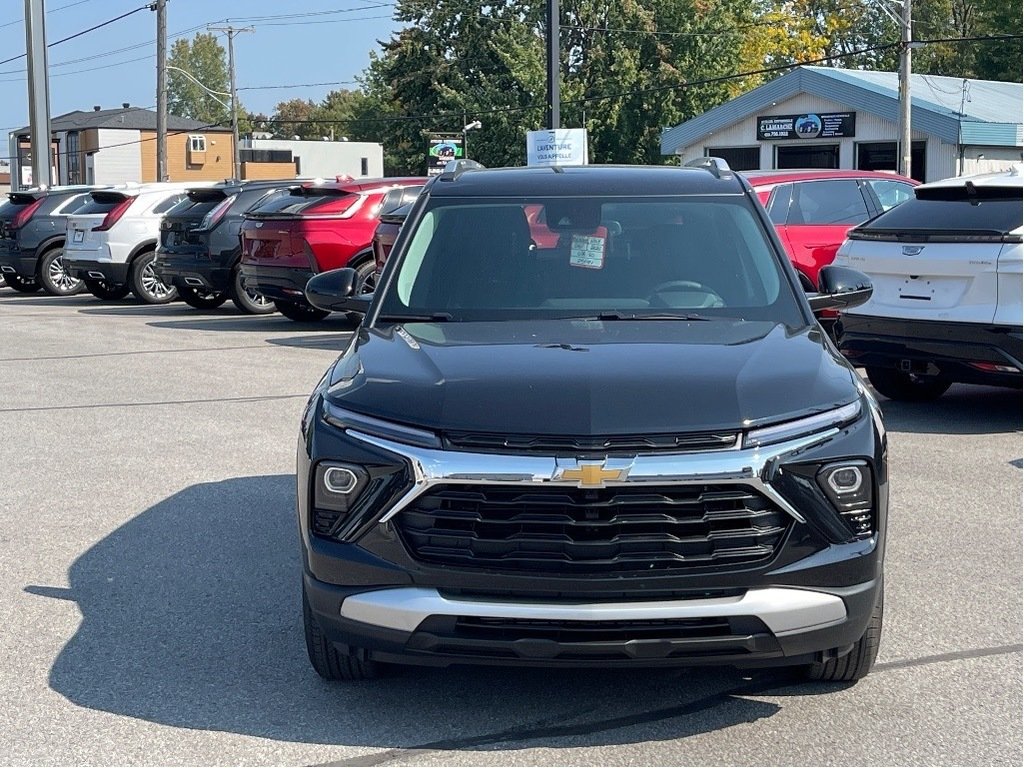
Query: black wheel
[(367, 274), (101, 289), (200, 299), (54, 278), (250, 302), (858, 662), (912, 387), (302, 313), (327, 660), (22, 284), (145, 283)]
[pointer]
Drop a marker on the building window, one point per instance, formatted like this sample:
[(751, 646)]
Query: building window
[(881, 156), (74, 170), (364, 166), (738, 158), (196, 143), (807, 156)]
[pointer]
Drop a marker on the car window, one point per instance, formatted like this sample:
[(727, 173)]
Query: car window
[(193, 208), (890, 193), (396, 198), (166, 204), (299, 200), (993, 213), (74, 204), (778, 203), (833, 202), (101, 202), (481, 260)]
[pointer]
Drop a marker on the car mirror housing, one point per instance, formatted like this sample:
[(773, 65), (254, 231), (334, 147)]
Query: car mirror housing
[(334, 291), (840, 288)]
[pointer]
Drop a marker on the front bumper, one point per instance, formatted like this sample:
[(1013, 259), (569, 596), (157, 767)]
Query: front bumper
[(276, 283), (191, 269), (812, 598), (110, 272), (934, 348)]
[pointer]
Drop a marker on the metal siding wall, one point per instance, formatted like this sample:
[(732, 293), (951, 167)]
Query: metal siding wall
[(328, 158), (116, 161)]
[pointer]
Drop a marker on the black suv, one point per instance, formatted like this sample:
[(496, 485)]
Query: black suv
[(199, 244), (32, 225), (621, 441)]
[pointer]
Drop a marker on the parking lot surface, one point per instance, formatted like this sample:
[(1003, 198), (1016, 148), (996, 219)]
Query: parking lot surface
[(149, 583)]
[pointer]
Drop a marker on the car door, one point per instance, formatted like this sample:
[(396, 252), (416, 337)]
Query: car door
[(820, 214)]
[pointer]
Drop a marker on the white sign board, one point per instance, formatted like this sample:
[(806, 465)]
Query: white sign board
[(566, 146)]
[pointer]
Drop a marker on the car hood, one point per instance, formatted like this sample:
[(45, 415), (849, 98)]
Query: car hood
[(583, 378)]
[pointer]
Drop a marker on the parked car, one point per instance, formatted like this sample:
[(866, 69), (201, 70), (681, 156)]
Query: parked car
[(947, 307), (316, 227), (111, 241), (32, 228), (814, 209), (628, 449), (199, 247)]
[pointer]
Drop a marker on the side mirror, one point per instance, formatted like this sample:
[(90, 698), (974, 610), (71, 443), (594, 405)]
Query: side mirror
[(840, 288), (335, 291)]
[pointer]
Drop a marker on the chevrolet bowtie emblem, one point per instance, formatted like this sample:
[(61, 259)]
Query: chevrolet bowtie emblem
[(594, 474)]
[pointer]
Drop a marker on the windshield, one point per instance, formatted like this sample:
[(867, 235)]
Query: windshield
[(494, 259)]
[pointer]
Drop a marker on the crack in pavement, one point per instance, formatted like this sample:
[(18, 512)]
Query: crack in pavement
[(541, 729)]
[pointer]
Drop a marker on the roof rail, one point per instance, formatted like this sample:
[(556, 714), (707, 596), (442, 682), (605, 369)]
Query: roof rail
[(716, 165), (456, 168)]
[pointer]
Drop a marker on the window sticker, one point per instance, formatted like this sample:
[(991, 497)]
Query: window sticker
[(587, 251)]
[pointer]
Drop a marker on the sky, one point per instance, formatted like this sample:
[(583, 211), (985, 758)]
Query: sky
[(312, 45)]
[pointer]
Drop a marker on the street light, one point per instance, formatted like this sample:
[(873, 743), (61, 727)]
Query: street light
[(475, 125), (213, 93)]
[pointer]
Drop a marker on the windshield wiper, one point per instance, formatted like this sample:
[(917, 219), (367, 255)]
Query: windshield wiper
[(436, 317), (650, 316)]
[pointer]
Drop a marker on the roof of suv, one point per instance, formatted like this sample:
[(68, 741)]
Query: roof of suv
[(586, 180), (359, 185), (763, 178), (1011, 177)]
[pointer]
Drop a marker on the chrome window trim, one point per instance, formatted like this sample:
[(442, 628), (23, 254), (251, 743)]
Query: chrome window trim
[(784, 610), (434, 467)]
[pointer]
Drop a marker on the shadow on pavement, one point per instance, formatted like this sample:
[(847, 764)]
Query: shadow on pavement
[(963, 410), (191, 618), (254, 324)]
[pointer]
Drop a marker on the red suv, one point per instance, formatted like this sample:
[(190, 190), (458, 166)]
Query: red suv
[(813, 210), (316, 227)]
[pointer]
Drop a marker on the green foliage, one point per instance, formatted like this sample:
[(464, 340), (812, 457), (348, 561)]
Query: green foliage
[(204, 59)]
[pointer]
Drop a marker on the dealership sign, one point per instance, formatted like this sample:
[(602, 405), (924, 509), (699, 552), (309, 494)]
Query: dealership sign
[(566, 146), (442, 148), (822, 125)]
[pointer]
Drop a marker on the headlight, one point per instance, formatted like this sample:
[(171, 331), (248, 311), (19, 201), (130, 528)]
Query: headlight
[(778, 433), (849, 486), (359, 422)]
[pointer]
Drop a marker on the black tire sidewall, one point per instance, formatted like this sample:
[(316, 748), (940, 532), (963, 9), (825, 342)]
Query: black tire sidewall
[(191, 297), (139, 264)]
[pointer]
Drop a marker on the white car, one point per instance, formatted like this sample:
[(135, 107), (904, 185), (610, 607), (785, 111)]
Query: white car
[(947, 307), (111, 242)]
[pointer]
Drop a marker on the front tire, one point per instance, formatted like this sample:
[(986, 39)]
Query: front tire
[(145, 283), (54, 277), (909, 387), (327, 660), (858, 662), (105, 291), (301, 313), (198, 299), (22, 284), (250, 302)]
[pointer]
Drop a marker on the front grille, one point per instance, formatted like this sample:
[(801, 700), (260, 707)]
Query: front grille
[(583, 531), (631, 444)]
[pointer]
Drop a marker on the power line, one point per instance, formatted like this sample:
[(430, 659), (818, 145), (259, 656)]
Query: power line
[(83, 32), (308, 14), (52, 10), (296, 85)]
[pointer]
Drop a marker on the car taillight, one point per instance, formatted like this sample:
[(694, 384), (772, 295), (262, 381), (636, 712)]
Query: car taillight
[(26, 213), (114, 215), (212, 219)]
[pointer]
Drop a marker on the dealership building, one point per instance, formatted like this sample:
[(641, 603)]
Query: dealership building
[(822, 117)]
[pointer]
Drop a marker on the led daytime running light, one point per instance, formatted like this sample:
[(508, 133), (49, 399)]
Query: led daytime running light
[(778, 433)]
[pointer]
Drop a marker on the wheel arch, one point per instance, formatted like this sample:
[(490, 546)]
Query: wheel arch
[(143, 247), (49, 244)]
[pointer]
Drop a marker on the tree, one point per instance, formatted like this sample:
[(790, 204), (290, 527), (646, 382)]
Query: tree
[(204, 59)]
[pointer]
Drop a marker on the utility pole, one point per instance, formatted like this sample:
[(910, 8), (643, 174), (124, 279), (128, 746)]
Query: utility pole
[(554, 60), (231, 32), (905, 137), (160, 6), (38, 92)]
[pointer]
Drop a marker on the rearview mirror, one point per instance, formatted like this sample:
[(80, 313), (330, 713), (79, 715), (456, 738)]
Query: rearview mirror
[(840, 288), (335, 291)]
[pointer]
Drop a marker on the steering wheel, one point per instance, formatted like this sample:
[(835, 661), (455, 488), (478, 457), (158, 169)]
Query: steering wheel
[(712, 300)]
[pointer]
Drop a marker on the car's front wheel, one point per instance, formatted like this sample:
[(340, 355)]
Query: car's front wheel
[(54, 277), (302, 313), (200, 299), (327, 660), (912, 387), (146, 284), (858, 662), (22, 284)]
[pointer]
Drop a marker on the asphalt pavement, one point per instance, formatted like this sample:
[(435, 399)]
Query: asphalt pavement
[(149, 583)]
